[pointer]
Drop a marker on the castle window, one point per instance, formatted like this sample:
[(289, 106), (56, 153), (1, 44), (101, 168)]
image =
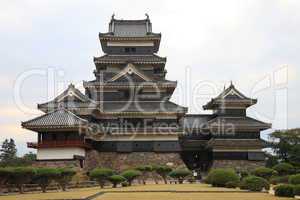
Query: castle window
[(130, 50)]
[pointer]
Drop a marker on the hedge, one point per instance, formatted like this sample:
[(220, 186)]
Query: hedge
[(219, 177), (180, 174), (116, 179), (232, 184), (296, 190), (254, 183), (279, 179), (130, 175), (264, 172), (44, 176), (65, 176), (284, 169), (101, 175), (20, 176), (284, 190), (294, 179), (163, 171)]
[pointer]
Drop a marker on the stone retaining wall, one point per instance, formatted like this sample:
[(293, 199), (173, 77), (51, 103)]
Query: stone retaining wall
[(238, 165), (121, 161)]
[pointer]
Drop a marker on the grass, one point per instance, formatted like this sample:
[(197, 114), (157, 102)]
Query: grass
[(162, 192), (188, 196), (53, 195), (171, 187)]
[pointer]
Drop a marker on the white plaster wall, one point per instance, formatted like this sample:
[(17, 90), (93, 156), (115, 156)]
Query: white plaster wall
[(129, 44), (59, 153)]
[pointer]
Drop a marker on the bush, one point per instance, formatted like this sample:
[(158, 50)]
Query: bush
[(101, 175), (279, 179), (130, 175), (125, 184), (21, 175), (144, 169), (296, 190), (244, 174), (232, 184), (284, 169), (163, 171), (219, 177), (284, 190), (44, 176), (64, 177), (116, 179), (254, 183), (264, 172), (4, 177), (180, 174), (294, 179)]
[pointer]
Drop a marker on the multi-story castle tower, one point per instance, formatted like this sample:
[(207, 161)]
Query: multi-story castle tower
[(126, 118), (127, 103)]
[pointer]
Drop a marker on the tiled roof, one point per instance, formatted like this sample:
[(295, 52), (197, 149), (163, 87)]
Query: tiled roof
[(71, 98), (57, 119), (130, 28), (136, 59), (195, 122), (237, 123), (152, 107), (230, 96), (165, 83), (237, 143)]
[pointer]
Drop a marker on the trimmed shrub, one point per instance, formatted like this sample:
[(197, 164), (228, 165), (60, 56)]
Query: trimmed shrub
[(130, 175), (284, 169), (180, 174), (4, 177), (232, 184), (144, 169), (296, 190), (21, 175), (264, 172), (294, 179), (244, 174), (64, 177), (254, 183), (44, 176), (163, 171), (219, 177), (116, 179), (284, 190), (101, 175), (125, 184), (279, 179)]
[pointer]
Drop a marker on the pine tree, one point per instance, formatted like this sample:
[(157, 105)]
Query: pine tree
[(8, 152)]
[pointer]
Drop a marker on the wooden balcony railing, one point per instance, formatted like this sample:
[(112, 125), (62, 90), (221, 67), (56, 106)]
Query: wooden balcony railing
[(53, 144)]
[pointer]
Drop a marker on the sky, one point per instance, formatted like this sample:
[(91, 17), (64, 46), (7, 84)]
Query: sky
[(45, 45)]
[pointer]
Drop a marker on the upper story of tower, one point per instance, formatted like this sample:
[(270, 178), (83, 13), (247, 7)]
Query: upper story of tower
[(230, 102), (130, 37)]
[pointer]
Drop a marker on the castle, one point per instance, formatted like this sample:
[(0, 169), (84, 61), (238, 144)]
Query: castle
[(125, 117)]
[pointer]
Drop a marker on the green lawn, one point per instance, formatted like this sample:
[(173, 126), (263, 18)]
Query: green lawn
[(188, 196), (159, 192), (71, 194)]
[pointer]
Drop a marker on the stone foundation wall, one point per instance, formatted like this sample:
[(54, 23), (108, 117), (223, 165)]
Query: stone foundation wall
[(57, 163), (238, 164), (121, 161)]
